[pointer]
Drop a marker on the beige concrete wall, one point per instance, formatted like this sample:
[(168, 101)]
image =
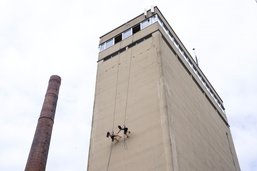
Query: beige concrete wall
[(147, 148), (199, 133)]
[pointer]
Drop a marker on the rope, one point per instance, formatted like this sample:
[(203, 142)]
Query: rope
[(109, 159), (117, 77), (114, 111), (125, 144), (126, 104)]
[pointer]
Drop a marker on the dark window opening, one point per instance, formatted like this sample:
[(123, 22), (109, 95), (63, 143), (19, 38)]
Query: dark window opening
[(136, 29), (117, 39), (106, 58)]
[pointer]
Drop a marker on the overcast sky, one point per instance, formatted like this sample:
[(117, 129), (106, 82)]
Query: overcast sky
[(42, 38)]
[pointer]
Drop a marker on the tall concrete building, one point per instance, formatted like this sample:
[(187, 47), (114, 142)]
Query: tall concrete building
[(148, 81)]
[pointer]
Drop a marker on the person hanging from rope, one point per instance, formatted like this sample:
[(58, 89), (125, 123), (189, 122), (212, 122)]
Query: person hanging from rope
[(113, 136), (124, 129)]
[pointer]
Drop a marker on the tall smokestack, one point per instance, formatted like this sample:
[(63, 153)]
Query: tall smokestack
[(39, 149)]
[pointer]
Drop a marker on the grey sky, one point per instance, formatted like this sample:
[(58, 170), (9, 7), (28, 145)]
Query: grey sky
[(42, 38)]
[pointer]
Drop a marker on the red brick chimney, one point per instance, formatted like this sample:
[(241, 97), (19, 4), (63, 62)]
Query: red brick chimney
[(39, 149)]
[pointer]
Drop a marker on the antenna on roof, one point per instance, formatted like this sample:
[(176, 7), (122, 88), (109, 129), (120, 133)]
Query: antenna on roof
[(152, 8), (145, 12), (196, 60)]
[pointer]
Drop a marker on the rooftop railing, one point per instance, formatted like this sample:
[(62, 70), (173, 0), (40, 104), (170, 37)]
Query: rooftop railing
[(200, 76)]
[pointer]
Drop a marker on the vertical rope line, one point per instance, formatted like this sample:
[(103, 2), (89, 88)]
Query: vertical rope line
[(114, 111), (116, 92), (109, 159), (126, 104)]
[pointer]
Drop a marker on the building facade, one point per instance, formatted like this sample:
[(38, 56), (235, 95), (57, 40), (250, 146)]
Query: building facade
[(148, 81)]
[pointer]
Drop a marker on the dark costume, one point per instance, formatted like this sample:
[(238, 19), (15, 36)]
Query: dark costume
[(124, 129)]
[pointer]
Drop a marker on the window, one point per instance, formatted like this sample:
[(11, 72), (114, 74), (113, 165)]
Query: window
[(129, 32), (145, 23), (126, 34), (117, 38), (154, 18), (109, 43), (136, 29), (102, 46)]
